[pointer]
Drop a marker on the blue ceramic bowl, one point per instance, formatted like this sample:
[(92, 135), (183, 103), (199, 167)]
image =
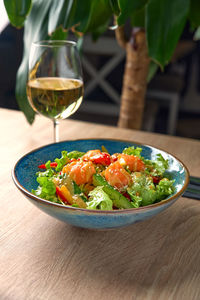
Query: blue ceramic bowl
[(25, 179)]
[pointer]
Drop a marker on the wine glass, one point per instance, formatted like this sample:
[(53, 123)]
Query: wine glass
[(55, 85)]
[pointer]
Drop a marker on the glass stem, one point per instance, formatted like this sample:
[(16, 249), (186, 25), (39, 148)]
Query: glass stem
[(56, 130)]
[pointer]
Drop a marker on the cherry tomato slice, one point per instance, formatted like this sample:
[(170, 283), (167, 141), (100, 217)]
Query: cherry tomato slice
[(52, 165), (102, 158)]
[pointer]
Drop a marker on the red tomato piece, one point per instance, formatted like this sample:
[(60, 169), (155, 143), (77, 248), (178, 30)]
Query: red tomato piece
[(52, 165), (102, 159), (156, 179)]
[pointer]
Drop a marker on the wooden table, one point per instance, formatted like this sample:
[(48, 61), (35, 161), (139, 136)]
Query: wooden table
[(42, 258)]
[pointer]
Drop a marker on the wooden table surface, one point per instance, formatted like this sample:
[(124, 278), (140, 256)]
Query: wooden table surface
[(43, 258)]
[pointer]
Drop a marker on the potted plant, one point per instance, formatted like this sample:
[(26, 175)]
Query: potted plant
[(157, 26)]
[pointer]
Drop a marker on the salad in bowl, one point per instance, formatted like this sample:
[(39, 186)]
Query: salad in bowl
[(99, 180), (100, 183)]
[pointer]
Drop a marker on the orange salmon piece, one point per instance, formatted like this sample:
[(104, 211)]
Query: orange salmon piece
[(90, 154), (80, 171), (134, 163), (117, 176)]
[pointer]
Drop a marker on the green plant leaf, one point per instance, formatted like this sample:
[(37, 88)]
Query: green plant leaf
[(59, 13), (138, 18), (165, 21), (32, 32), (153, 67), (115, 7), (194, 14), (93, 16), (17, 11), (197, 34), (100, 14), (79, 15), (99, 31), (59, 34), (80, 45), (128, 8)]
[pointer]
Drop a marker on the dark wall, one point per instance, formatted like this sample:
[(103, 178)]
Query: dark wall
[(11, 48)]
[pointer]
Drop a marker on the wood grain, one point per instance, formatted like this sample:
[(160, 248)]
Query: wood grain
[(42, 258)]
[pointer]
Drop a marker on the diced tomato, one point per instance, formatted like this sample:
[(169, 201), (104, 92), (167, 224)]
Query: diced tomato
[(97, 157), (127, 195), (73, 159), (102, 159), (42, 166), (52, 165), (114, 157), (156, 179)]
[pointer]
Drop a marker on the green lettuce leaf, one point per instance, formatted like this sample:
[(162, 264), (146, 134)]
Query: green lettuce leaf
[(142, 192), (75, 154), (46, 189), (136, 200), (133, 151), (157, 167), (66, 156), (161, 164), (98, 199), (61, 161), (164, 188)]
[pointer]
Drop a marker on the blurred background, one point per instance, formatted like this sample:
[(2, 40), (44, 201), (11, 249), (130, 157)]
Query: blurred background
[(173, 96)]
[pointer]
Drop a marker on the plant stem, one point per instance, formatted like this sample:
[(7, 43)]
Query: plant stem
[(134, 82), (56, 130)]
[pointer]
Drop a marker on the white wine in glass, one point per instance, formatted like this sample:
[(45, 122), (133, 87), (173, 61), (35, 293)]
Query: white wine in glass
[(55, 85)]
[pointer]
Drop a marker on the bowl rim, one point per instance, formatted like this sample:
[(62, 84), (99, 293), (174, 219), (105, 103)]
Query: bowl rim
[(117, 211)]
